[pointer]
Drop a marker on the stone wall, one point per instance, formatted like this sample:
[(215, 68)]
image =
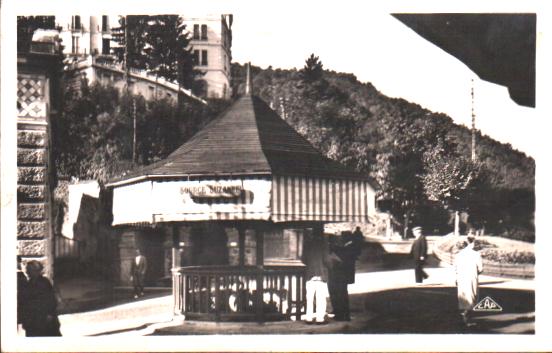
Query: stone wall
[(34, 184)]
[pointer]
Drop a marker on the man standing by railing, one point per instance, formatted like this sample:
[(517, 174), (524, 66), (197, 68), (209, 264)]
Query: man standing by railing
[(316, 258)]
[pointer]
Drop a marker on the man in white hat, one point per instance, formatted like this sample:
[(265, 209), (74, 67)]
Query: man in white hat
[(419, 254)]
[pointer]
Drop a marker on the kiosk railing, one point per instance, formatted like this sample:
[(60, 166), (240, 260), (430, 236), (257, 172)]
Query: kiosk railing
[(233, 293)]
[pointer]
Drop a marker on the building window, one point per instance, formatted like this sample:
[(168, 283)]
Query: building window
[(77, 23), (106, 46), (105, 26), (203, 32), (75, 45), (283, 245), (196, 32), (204, 61), (195, 57)]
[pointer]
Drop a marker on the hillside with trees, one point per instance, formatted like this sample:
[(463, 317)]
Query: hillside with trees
[(421, 160)]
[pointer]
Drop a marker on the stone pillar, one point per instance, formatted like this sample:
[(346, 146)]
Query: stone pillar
[(35, 183), (185, 249)]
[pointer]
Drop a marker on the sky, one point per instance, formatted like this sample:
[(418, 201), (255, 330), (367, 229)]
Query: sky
[(379, 49), (362, 38), (349, 36)]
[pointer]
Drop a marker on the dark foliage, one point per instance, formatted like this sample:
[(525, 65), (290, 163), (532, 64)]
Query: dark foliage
[(92, 138), (158, 44), (390, 140)]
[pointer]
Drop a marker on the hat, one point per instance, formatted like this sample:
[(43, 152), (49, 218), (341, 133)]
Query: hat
[(417, 228)]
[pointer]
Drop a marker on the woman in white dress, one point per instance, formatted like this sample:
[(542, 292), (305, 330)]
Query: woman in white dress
[(468, 267)]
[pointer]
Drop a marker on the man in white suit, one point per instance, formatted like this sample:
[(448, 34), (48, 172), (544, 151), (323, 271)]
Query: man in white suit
[(468, 267)]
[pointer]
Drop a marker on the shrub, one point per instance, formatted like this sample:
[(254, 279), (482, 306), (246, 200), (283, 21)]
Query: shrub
[(490, 251), (457, 245), (519, 233), (515, 257)]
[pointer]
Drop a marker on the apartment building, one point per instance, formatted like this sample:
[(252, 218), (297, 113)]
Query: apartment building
[(88, 43), (211, 40)]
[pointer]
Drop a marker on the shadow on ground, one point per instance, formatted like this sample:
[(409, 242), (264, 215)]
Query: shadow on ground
[(418, 310), (434, 310), (374, 258)]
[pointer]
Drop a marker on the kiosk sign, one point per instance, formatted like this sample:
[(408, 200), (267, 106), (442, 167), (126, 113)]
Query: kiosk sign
[(211, 199), (212, 191)]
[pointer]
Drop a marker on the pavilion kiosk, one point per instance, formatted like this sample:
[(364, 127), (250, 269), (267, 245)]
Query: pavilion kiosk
[(238, 198)]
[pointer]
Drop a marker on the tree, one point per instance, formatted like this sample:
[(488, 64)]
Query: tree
[(130, 37), (170, 54), (92, 136), (449, 179), (406, 135), (159, 44), (312, 70)]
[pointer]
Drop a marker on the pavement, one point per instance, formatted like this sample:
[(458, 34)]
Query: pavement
[(383, 299)]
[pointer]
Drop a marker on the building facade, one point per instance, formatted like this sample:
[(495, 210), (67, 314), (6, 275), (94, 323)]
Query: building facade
[(211, 40), (85, 34), (38, 74), (88, 42)]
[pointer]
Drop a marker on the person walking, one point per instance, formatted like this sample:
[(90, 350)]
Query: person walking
[(138, 273), (419, 254), (316, 259), (39, 306), (468, 265)]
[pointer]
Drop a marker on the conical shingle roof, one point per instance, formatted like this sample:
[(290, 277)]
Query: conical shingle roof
[(249, 138)]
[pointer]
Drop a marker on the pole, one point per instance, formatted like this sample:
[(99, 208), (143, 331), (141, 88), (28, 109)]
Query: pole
[(260, 271), (125, 58), (134, 131), (126, 73), (473, 155)]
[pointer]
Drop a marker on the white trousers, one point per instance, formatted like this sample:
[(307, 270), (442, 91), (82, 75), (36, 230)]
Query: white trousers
[(316, 290)]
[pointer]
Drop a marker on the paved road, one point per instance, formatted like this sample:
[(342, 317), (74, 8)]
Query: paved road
[(384, 299)]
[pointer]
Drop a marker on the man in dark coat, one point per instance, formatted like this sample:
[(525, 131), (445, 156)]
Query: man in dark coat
[(138, 273), (342, 272), (40, 317), (315, 257), (419, 254)]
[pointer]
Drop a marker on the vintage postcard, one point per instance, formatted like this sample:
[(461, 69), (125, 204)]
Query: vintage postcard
[(274, 176)]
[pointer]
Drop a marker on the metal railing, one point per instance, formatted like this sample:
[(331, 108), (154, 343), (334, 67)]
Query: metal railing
[(234, 293)]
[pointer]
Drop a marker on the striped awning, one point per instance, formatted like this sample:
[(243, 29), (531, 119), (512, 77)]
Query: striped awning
[(277, 199), (321, 199)]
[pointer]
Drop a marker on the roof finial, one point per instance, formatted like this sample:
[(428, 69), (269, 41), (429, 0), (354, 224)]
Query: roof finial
[(248, 78)]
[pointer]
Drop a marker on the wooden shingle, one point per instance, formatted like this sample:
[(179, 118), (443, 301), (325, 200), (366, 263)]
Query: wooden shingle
[(249, 138)]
